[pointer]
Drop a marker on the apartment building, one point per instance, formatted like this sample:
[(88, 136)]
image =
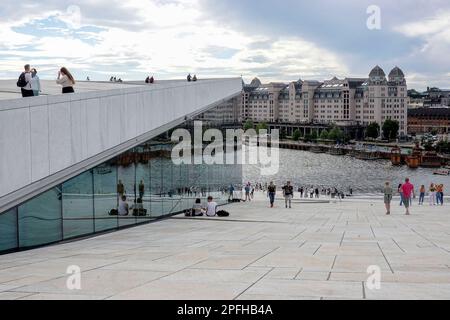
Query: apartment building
[(346, 101)]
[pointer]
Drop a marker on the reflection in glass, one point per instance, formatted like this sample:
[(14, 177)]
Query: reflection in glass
[(78, 206), (105, 196), (8, 230), (89, 203), (40, 219)]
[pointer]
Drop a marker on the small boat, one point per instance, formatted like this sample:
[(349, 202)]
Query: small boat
[(396, 156), (414, 159), (442, 172), (317, 150), (368, 156), (431, 160), (336, 151)]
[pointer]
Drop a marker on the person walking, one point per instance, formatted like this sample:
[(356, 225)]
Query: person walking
[(432, 195), (439, 195), (388, 192), (271, 191), (120, 188), (442, 194), (400, 193), (422, 195), (288, 193), (35, 82), (231, 193), (66, 80), (247, 192), (141, 189), (407, 190), (24, 82)]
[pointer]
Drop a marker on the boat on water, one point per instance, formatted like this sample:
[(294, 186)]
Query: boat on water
[(431, 160), (442, 172), (336, 151), (414, 159), (317, 149), (396, 156), (368, 155)]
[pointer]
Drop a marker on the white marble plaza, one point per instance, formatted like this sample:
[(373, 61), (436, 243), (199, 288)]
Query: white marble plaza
[(313, 251)]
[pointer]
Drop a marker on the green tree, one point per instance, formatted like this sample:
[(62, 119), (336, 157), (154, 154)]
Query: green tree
[(324, 135), (314, 136), (297, 135), (336, 134), (261, 126), (249, 125), (373, 130), (390, 129), (443, 147)]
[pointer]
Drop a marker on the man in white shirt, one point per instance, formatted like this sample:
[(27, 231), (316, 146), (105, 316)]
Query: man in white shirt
[(27, 90), (123, 207), (211, 209)]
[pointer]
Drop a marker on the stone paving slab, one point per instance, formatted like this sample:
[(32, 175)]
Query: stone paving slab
[(313, 251)]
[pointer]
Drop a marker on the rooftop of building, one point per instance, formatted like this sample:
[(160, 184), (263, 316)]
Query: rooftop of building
[(9, 89), (441, 111)]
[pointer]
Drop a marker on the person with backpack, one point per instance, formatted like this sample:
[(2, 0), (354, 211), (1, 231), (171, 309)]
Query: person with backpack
[(24, 82), (66, 80)]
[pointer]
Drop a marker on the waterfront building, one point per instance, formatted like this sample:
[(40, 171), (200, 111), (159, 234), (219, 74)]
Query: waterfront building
[(427, 120), (343, 102)]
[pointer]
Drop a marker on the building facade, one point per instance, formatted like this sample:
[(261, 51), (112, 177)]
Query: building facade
[(427, 120), (346, 102)]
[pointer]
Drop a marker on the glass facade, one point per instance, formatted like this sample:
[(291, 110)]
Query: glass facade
[(143, 179)]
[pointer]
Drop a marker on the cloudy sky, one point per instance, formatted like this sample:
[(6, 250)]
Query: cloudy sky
[(274, 40)]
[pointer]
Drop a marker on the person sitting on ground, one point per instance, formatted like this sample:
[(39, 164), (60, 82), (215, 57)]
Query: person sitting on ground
[(147, 80), (211, 209), (123, 207), (194, 78), (197, 209), (138, 208), (189, 78), (152, 80)]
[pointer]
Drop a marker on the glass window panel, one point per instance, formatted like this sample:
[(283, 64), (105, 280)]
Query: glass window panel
[(40, 219), (156, 209), (78, 206), (105, 196), (127, 176), (142, 208), (8, 230)]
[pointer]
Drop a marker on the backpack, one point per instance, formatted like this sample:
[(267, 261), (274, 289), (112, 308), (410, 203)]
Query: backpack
[(22, 82), (223, 213)]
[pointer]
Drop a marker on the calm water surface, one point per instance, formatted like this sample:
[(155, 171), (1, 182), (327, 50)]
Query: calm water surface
[(307, 168)]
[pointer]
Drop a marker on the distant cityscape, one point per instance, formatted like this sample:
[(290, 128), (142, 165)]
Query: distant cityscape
[(351, 104)]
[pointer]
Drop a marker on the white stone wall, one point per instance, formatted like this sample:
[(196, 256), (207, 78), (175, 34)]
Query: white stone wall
[(44, 135)]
